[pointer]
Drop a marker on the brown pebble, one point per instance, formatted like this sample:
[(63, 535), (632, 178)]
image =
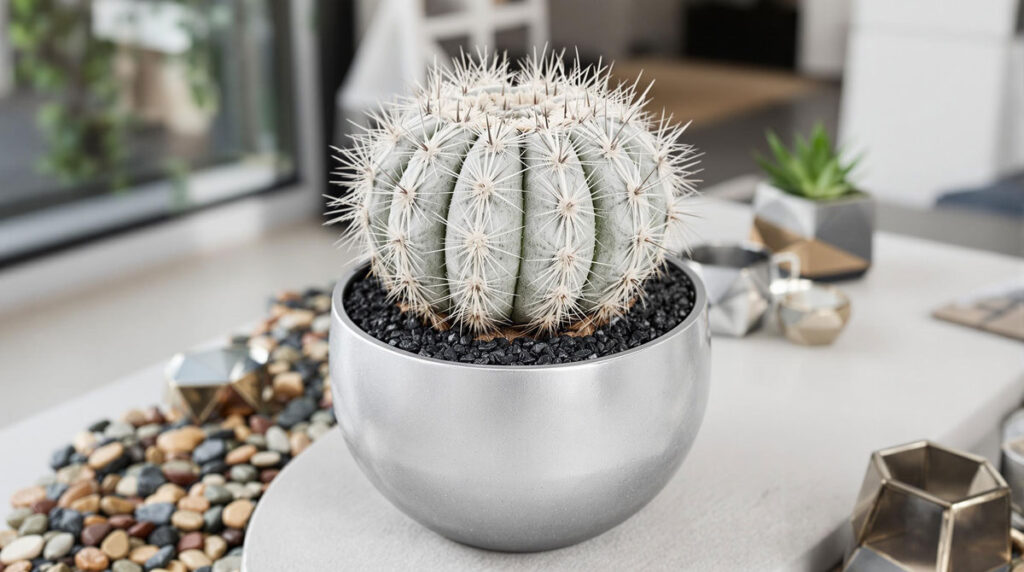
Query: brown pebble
[(180, 440), (299, 441), (125, 521), (287, 386), (154, 455), (153, 415), (232, 536), (94, 534), (190, 541), (109, 484), (242, 432), (233, 421), (182, 477), (194, 503), (194, 559), (143, 553), (112, 505), (237, 513), (28, 496), (240, 455), (175, 566), (214, 546), (84, 442), (106, 454), (116, 545), (259, 424), (75, 492), (94, 519), (141, 529), (43, 506), (88, 503), (267, 475), (187, 520), (197, 489), (19, 566), (136, 417), (90, 558), (167, 492)]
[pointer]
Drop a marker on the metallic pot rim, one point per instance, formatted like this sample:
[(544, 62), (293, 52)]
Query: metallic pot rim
[(356, 268)]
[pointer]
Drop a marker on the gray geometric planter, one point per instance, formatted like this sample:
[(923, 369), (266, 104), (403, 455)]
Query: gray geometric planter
[(832, 237)]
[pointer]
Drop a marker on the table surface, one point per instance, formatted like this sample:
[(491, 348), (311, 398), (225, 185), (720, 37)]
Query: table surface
[(773, 474)]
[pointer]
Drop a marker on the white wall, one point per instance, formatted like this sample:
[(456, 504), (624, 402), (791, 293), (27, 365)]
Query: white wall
[(933, 96), (824, 29)]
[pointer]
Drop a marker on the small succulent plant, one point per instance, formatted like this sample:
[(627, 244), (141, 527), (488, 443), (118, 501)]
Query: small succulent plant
[(537, 200), (812, 169)]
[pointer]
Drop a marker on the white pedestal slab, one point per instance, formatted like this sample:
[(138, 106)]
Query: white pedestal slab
[(775, 470)]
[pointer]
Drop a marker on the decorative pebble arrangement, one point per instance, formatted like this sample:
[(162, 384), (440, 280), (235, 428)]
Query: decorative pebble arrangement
[(151, 491), (668, 300)]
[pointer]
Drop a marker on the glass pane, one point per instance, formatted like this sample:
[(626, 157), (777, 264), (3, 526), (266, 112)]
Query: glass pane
[(123, 111)]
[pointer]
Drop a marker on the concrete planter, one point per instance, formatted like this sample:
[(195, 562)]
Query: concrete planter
[(833, 238)]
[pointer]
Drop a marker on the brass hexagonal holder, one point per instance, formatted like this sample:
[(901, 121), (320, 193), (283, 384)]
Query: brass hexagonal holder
[(925, 507), (215, 382)]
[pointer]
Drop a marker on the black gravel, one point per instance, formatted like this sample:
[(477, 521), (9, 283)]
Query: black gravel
[(667, 302)]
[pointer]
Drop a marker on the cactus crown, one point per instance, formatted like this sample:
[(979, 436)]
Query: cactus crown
[(538, 199)]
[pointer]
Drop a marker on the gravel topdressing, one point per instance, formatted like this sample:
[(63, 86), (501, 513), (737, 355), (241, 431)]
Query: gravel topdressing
[(668, 301)]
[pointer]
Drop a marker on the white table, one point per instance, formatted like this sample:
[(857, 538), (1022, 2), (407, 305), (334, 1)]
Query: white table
[(772, 475), (774, 472)]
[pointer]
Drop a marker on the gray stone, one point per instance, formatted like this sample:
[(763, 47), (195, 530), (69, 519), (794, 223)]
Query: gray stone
[(212, 522), (228, 564), (157, 513), (323, 416), (119, 430), (244, 473), (161, 559), (238, 491), (277, 440), (257, 440), (58, 546), (125, 566), (214, 479), (218, 494), (148, 431), (33, 524), (18, 516), (317, 430), (265, 459)]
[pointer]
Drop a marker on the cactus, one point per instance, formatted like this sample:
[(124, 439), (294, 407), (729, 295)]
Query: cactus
[(538, 200)]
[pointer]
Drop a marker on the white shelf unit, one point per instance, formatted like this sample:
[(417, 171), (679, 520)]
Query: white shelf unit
[(405, 37)]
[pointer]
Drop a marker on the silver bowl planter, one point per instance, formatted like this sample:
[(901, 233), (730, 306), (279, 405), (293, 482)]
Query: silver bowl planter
[(833, 238), (520, 458)]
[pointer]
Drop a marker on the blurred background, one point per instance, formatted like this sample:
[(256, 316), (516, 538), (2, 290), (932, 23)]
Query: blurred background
[(163, 162)]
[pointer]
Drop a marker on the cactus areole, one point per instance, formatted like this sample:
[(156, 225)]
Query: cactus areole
[(538, 200)]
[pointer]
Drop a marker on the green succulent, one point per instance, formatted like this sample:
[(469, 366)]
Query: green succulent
[(812, 168)]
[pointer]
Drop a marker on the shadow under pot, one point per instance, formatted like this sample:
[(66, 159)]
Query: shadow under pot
[(520, 458), (832, 237)]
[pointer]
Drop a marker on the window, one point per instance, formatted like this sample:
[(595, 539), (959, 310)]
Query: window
[(118, 113)]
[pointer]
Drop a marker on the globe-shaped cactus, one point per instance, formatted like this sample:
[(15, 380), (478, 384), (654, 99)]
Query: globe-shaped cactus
[(538, 200)]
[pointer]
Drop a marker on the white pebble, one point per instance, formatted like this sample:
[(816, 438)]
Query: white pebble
[(24, 548)]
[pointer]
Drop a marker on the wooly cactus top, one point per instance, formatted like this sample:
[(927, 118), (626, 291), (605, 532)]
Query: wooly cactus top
[(539, 199)]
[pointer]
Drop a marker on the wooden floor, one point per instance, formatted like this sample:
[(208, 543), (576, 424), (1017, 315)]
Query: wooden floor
[(709, 92)]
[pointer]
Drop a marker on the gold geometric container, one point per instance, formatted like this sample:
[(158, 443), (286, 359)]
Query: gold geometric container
[(926, 507), (206, 384)]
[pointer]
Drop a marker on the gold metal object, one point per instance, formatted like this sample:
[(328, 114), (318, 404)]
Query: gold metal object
[(812, 314), (209, 383), (925, 507)]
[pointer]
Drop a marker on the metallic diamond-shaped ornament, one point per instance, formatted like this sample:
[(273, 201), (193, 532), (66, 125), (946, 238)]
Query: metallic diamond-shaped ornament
[(209, 383), (925, 507)]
